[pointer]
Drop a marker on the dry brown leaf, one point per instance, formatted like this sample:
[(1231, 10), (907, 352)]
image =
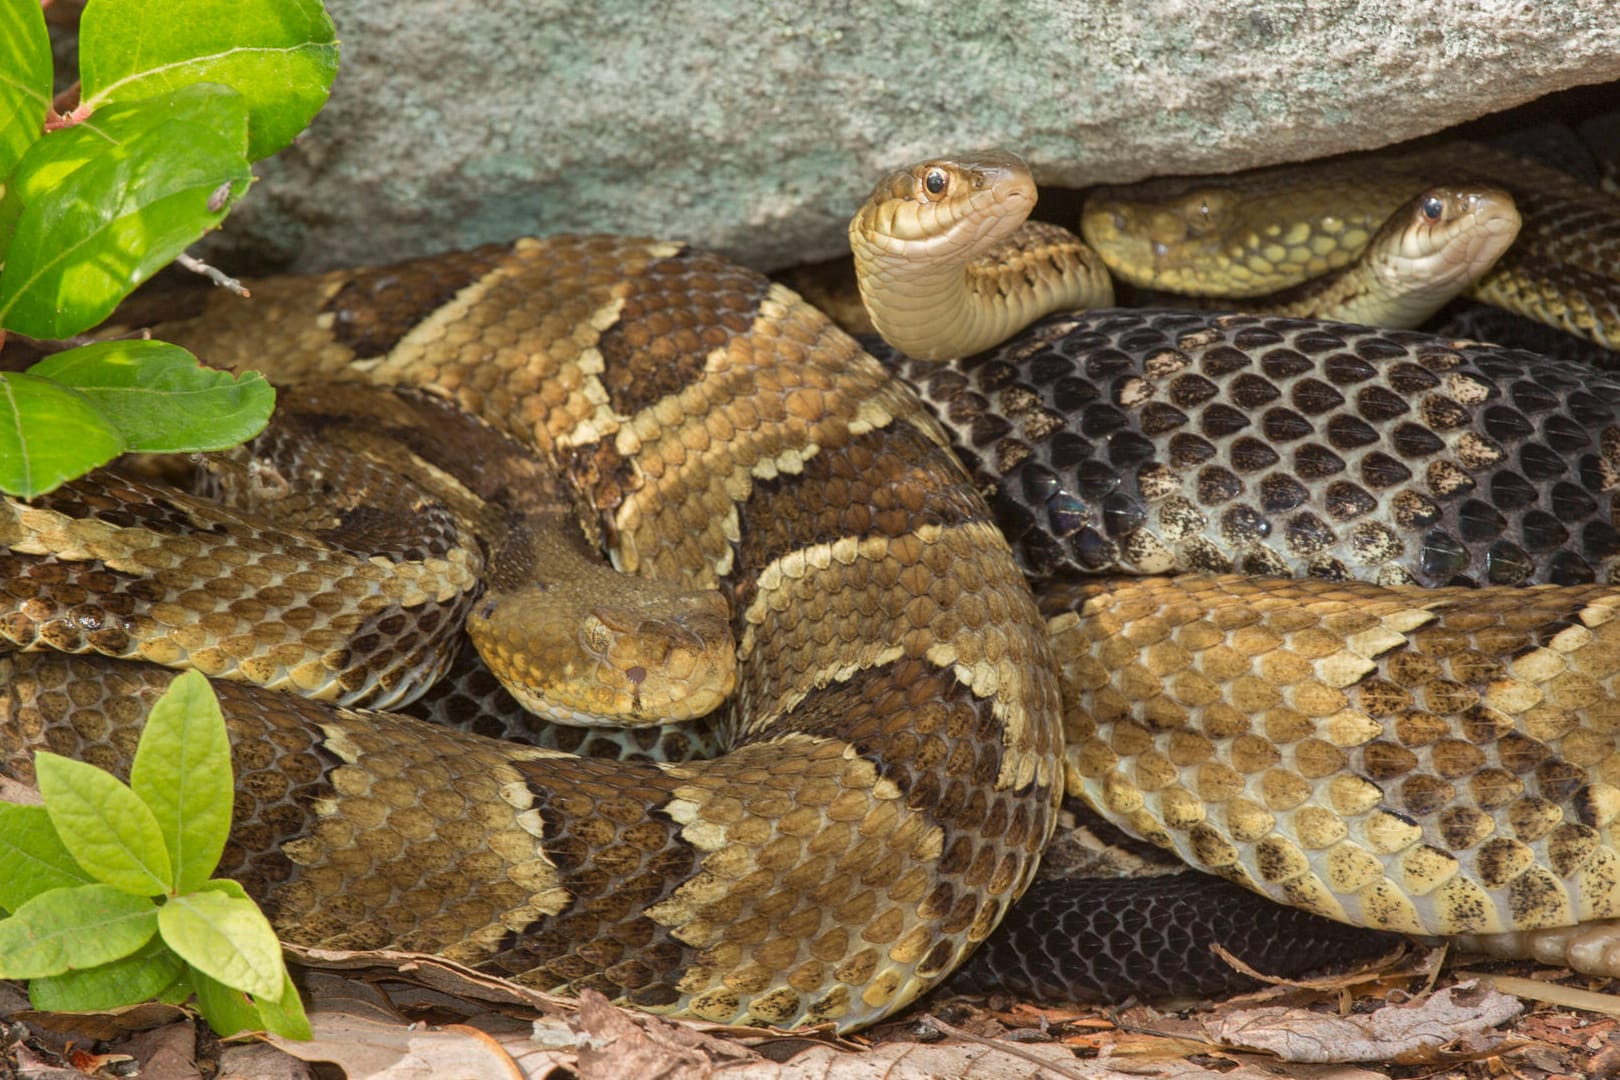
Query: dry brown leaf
[(1404, 1032), (1147, 1047), (1008, 1061), (105, 1026), (169, 1051), (1549, 993), (614, 1046), (384, 1051), (34, 1067), (382, 974), (443, 975)]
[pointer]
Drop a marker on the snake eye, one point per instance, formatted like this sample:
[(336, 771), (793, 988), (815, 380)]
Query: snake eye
[(935, 182), (1432, 208)]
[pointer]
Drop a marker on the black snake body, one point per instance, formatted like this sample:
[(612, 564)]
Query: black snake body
[(1171, 441)]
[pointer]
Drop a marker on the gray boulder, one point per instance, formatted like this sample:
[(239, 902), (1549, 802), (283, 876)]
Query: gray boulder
[(757, 128)]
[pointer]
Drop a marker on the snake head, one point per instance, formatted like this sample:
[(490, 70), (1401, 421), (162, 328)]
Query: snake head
[(949, 264), (953, 206), (1446, 236), (608, 649)]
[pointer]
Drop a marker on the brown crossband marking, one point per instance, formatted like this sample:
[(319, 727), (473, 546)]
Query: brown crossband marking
[(886, 482), (614, 860), (376, 307), (795, 878), (1451, 761), (676, 312)]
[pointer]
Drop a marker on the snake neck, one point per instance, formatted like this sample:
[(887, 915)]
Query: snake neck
[(940, 309)]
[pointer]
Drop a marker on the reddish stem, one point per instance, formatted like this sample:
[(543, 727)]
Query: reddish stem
[(66, 110)]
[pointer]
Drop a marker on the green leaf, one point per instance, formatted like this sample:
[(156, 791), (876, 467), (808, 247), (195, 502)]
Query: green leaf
[(178, 991), (106, 203), (78, 927), (224, 935), (105, 825), (229, 1011), (50, 162), (160, 398), (182, 770), (280, 55), (144, 974), (49, 434), (285, 1016), (25, 79), (32, 857)]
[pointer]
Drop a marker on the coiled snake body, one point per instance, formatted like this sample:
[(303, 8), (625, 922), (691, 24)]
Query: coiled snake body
[(894, 757), (1424, 761), (1433, 760)]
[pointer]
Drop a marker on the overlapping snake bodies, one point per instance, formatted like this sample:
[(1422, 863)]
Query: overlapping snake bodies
[(1435, 762), (1440, 761), (894, 758), (1427, 760), (1251, 233)]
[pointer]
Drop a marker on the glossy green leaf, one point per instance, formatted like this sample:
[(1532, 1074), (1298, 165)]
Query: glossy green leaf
[(280, 55), (79, 927), (50, 162), (144, 974), (230, 1011), (104, 824), (182, 770), (160, 398), (106, 203), (224, 935), (283, 1016), (25, 79), (49, 434), (32, 857)]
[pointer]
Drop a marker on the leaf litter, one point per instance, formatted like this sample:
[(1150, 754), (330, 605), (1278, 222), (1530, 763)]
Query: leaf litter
[(389, 1014)]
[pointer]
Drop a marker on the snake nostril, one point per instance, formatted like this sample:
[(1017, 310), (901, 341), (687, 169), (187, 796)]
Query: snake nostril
[(488, 610)]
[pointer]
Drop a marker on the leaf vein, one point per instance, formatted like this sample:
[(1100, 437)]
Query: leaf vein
[(111, 88)]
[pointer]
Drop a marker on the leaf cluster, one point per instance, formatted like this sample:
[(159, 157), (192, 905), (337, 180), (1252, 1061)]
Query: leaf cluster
[(178, 98), (109, 884)]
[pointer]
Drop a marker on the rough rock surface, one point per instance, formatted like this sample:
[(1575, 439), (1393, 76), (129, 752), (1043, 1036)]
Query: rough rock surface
[(757, 128)]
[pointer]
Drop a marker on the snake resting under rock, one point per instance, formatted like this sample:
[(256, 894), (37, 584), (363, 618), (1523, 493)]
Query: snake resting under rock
[(903, 718)]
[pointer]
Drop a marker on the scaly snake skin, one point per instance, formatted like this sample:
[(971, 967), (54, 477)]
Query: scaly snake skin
[(1426, 760), (948, 266), (1259, 728), (1424, 255), (893, 745)]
